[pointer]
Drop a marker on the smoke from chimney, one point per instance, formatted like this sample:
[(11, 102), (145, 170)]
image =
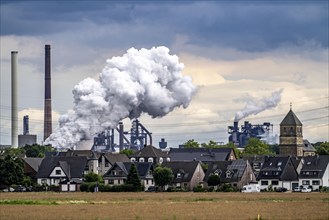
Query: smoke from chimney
[(255, 106), (141, 81)]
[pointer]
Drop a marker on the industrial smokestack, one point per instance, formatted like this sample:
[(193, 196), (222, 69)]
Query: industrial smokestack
[(26, 125), (14, 113), (47, 109)]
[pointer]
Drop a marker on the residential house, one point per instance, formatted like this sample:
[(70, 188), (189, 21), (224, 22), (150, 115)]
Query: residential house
[(235, 172), (118, 173), (187, 174), (107, 160), (202, 154), (256, 162), (315, 171), (54, 170), (278, 172), (150, 154), (31, 166)]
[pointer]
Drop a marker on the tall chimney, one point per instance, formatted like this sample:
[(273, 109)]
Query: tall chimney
[(26, 125), (14, 113), (47, 109)]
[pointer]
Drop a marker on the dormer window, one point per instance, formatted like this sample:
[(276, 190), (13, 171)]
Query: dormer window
[(279, 163), (141, 159), (179, 175), (133, 159), (228, 174), (160, 160), (150, 160)]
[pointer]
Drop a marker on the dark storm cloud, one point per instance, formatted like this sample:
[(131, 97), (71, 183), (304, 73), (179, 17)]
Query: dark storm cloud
[(250, 26)]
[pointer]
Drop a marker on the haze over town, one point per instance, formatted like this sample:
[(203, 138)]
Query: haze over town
[(235, 52)]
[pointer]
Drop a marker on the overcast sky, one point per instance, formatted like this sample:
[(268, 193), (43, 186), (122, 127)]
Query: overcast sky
[(233, 50)]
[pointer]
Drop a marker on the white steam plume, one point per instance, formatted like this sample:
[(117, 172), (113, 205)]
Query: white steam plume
[(141, 81), (255, 106)]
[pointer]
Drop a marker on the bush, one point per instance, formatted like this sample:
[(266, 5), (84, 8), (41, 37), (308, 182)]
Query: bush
[(226, 188), (199, 188), (324, 189)]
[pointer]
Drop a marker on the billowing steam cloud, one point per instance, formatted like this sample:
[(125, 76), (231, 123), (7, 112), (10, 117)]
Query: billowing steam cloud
[(141, 81), (255, 106)]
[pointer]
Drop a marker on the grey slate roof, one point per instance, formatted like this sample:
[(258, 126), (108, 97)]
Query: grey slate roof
[(236, 167), (308, 147), (291, 119), (199, 154), (281, 168), (185, 168), (311, 164), (142, 168), (33, 162), (113, 158), (73, 166), (150, 151)]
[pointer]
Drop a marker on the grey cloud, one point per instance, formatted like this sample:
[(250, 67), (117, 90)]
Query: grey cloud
[(251, 26)]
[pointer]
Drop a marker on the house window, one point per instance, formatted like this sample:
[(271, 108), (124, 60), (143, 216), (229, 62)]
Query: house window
[(58, 172), (107, 164), (133, 159), (275, 173), (228, 174), (179, 175), (114, 172), (316, 182), (111, 181), (279, 163), (178, 185), (284, 129), (315, 173), (141, 160), (264, 183), (44, 181), (306, 182), (275, 182), (150, 160), (149, 172), (265, 173), (160, 160), (168, 159), (255, 165)]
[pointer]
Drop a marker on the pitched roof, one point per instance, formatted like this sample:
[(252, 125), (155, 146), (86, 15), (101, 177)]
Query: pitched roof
[(150, 151), (278, 168), (199, 154), (186, 170), (291, 119), (142, 168), (114, 157), (236, 167), (308, 147), (317, 163), (73, 166), (33, 162)]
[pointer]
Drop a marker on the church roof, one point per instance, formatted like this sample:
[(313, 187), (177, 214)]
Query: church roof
[(291, 119)]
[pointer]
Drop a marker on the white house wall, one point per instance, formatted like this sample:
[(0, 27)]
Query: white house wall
[(54, 175), (325, 178)]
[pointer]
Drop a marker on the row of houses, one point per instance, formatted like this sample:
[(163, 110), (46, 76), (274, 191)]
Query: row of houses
[(191, 167)]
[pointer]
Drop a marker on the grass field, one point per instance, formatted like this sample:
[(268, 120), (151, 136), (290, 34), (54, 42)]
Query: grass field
[(48, 205)]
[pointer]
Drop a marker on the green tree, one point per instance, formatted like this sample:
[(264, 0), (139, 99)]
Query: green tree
[(93, 177), (211, 144), (11, 170), (162, 176), (236, 150), (191, 144), (37, 150), (213, 180), (133, 178), (127, 152), (323, 149), (256, 147)]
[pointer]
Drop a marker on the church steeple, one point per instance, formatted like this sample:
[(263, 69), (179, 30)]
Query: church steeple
[(291, 135)]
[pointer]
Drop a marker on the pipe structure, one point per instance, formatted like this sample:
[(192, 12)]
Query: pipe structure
[(14, 112), (47, 107)]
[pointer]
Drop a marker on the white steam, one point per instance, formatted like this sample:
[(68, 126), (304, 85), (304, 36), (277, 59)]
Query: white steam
[(255, 106), (141, 81)]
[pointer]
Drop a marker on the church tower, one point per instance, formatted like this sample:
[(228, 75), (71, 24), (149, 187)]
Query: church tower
[(291, 135)]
